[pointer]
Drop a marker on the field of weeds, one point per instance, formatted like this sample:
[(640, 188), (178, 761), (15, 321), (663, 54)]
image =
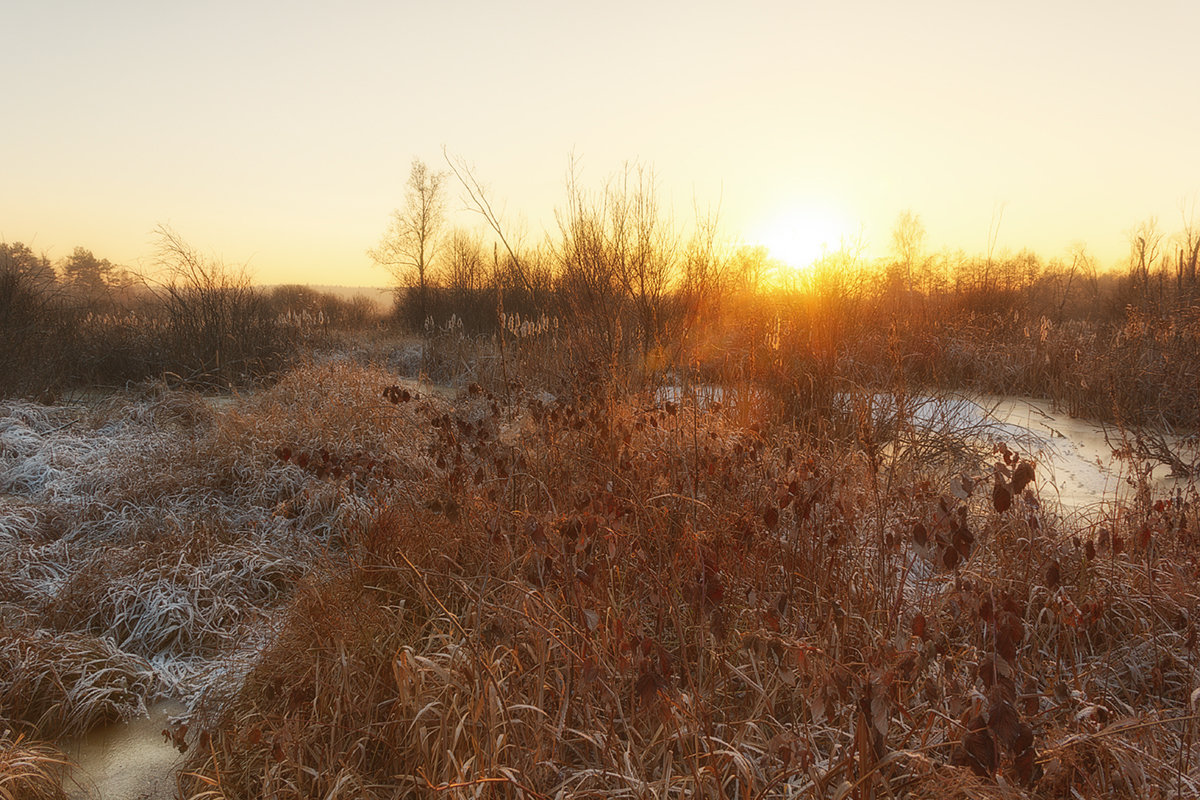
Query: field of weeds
[(361, 588)]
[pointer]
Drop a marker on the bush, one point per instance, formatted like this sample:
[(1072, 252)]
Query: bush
[(218, 329)]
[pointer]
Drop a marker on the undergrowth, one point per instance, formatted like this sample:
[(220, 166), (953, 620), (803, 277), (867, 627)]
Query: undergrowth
[(632, 601), (362, 588)]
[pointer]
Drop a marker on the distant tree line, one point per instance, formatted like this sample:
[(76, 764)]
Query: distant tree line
[(86, 321), (618, 264), (629, 293)]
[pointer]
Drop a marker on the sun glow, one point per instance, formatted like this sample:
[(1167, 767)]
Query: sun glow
[(800, 236)]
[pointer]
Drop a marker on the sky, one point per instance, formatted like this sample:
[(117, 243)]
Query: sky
[(279, 136)]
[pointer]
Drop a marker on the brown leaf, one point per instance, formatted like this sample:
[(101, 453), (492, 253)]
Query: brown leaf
[(771, 517), (647, 687), (1005, 724), (1010, 632), (920, 535), (879, 710), (1053, 575), (1026, 767), (950, 558), (1022, 476), (977, 749), (985, 608), (1001, 496), (1023, 740), (534, 529), (995, 671), (176, 736), (962, 542)]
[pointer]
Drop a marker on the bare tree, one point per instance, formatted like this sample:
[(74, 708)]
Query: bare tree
[(617, 255), (410, 245), (1189, 255), (992, 238), (644, 247), (908, 244), (476, 197), (704, 268), (749, 267), (1082, 264), (218, 327), (1145, 242), (464, 261)]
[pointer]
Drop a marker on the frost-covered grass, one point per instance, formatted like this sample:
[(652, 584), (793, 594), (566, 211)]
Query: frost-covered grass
[(64, 683), (148, 542)]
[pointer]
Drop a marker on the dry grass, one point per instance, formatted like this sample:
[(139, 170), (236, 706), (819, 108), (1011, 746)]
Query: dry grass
[(162, 532), (665, 603), (29, 771), (368, 595), (65, 684)]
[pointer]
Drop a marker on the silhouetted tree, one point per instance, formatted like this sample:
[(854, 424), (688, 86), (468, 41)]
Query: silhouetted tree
[(18, 259), (1188, 259), (464, 261), (31, 320), (748, 269), (908, 245), (219, 327), (1145, 242), (86, 274), (617, 256), (409, 247)]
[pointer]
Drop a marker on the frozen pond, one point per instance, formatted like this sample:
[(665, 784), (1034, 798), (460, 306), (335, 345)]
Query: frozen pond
[(1076, 462)]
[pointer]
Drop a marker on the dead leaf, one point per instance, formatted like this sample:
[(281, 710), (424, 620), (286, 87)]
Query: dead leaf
[(1022, 477), (1001, 496)]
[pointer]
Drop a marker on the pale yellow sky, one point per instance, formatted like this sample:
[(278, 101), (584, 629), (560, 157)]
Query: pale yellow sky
[(280, 134)]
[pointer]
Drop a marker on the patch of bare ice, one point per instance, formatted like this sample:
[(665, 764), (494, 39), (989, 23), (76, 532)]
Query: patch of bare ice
[(1076, 462)]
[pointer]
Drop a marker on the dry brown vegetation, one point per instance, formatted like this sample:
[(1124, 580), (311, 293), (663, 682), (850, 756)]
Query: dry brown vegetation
[(610, 595), (29, 771), (653, 532), (669, 602)]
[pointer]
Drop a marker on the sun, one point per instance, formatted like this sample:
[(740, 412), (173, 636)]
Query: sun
[(801, 235)]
